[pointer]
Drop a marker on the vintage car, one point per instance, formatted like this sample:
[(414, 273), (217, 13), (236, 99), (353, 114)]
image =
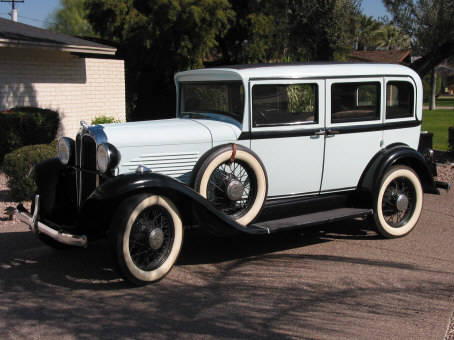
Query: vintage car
[(254, 149)]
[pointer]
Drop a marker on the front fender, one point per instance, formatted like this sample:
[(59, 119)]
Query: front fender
[(101, 204), (398, 154)]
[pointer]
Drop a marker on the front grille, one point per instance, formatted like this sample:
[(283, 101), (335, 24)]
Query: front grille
[(86, 165)]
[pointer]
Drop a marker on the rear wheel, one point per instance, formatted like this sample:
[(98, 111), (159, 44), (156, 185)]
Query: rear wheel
[(399, 202), (148, 234)]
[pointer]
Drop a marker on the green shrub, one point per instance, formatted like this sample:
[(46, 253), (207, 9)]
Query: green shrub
[(18, 166), (22, 126), (104, 120)]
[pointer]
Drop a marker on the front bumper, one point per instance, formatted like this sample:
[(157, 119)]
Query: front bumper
[(40, 228)]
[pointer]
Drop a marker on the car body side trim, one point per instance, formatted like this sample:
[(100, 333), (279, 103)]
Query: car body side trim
[(338, 130)]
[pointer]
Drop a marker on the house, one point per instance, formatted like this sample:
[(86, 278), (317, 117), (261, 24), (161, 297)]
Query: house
[(446, 71), (78, 78), (402, 57)]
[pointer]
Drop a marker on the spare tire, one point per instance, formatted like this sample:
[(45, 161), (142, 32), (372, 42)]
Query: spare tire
[(234, 180)]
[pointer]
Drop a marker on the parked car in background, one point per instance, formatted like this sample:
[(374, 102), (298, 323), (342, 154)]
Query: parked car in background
[(254, 149)]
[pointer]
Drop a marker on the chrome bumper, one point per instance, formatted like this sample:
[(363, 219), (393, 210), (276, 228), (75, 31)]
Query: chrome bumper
[(40, 228)]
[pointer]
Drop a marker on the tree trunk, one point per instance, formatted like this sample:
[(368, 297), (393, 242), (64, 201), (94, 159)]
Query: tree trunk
[(433, 85)]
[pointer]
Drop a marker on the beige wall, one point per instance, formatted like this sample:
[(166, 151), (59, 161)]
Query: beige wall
[(78, 88)]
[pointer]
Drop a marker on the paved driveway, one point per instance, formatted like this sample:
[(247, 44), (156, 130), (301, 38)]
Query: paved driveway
[(343, 283)]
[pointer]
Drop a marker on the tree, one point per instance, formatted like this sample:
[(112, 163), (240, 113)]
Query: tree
[(367, 33), (157, 39), (430, 26), (322, 30), (290, 30), (257, 32), (389, 37), (71, 19)]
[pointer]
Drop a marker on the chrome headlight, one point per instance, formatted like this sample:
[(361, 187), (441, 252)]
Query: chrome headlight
[(107, 157), (65, 150)]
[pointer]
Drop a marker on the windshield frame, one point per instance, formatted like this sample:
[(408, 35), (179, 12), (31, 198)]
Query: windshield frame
[(213, 115)]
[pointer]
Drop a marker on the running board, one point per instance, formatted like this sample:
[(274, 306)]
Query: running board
[(307, 220)]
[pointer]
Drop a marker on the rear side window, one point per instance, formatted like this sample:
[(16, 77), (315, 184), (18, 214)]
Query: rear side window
[(399, 99), (284, 104), (351, 102)]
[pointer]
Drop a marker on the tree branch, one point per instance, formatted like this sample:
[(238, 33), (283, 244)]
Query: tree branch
[(423, 65)]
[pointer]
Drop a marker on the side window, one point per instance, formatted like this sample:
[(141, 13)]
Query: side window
[(399, 99), (284, 104), (351, 102)]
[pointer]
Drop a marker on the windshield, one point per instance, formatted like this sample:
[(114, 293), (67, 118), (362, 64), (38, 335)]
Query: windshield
[(211, 99)]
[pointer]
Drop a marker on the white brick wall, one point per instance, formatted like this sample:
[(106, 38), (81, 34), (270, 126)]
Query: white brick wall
[(78, 88)]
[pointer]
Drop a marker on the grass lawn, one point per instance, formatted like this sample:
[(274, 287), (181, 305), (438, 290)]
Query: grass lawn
[(438, 122)]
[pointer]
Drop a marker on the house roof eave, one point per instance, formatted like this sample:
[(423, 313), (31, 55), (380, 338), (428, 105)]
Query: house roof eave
[(59, 47)]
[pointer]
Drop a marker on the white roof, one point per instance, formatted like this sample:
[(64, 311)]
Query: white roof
[(308, 70)]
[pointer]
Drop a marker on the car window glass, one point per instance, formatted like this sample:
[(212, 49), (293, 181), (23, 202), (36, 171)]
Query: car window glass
[(399, 99), (283, 104), (222, 98), (351, 102)]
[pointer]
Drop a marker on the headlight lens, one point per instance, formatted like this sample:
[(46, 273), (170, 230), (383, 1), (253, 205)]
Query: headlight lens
[(102, 158), (65, 149), (107, 157)]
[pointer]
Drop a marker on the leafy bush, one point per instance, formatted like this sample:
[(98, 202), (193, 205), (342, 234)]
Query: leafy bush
[(18, 166), (22, 126), (104, 120)]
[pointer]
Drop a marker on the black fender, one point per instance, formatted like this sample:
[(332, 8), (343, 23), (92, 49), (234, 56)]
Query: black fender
[(99, 207), (396, 154), (56, 188)]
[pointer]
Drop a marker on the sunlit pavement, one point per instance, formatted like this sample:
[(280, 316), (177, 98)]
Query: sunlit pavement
[(343, 282)]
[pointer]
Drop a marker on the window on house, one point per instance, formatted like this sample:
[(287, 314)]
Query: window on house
[(284, 104), (351, 102), (399, 99)]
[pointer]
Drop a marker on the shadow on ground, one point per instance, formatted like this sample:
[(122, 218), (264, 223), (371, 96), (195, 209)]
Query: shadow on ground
[(95, 267), (231, 288)]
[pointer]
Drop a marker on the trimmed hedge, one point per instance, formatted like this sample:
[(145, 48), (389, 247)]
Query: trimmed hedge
[(104, 120), (18, 166), (22, 126)]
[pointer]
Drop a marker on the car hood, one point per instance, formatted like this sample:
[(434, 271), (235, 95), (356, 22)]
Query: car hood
[(170, 131)]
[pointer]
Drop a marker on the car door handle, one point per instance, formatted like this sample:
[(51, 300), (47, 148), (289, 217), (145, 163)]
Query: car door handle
[(331, 133), (320, 133)]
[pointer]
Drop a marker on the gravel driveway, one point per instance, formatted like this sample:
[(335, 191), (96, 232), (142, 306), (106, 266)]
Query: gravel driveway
[(338, 282)]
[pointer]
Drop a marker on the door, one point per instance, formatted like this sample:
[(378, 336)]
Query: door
[(354, 130), (287, 121)]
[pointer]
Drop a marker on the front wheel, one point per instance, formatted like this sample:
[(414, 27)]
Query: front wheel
[(398, 204), (148, 234)]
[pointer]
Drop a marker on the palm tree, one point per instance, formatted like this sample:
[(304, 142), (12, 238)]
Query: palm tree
[(367, 31), (389, 37)]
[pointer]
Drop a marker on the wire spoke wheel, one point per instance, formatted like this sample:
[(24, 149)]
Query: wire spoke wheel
[(232, 188), (399, 202), (234, 182), (151, 238), (148, 234)]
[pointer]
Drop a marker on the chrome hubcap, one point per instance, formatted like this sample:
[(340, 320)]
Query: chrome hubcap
[(235, 190), (402, 202), (156, 238)]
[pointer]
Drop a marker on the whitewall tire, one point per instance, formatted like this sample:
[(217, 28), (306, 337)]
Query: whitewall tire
[(235, 185), (398, 204), (148, 235)]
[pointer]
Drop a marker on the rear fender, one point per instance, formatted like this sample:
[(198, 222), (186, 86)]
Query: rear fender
[(397, 154)]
